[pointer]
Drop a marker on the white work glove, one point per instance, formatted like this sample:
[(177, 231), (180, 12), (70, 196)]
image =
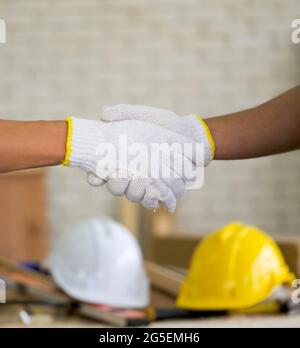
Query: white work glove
[(85, 137), (192, 127)]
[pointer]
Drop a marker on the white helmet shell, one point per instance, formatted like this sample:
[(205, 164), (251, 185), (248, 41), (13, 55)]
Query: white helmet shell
[(99, 261)]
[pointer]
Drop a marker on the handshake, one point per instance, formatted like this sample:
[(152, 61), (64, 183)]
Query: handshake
[(149, 155)]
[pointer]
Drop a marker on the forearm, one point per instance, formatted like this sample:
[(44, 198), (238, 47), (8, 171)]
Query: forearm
[(271, 128), (31, 144)]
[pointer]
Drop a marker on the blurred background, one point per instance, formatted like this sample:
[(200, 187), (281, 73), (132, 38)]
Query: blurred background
[(209, 57)]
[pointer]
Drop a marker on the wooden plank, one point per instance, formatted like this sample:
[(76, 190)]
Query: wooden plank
[(163, 278), (154, 224), (33, 283), (129, 216), (162, 222)]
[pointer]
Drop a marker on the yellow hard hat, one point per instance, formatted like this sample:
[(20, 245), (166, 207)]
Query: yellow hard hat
[(233, 268)]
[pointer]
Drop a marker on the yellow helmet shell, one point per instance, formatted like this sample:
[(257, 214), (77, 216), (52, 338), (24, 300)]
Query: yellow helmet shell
[(233, 268)]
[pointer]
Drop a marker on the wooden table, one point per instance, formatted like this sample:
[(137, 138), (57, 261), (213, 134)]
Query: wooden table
[(9, 317)]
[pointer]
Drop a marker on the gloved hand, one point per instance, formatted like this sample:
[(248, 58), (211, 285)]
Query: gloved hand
[(192, 126), (86, 137)]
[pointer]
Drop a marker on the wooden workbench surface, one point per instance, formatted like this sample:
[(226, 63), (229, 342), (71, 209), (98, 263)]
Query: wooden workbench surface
[(9, 317)]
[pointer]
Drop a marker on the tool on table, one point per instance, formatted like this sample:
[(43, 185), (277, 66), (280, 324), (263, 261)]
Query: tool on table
[(31, 283)]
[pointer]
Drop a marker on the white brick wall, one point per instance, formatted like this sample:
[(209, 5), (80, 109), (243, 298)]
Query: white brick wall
[(205, 56)]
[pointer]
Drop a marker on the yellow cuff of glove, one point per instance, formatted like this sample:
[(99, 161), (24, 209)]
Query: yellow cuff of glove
[(66, 161), (209, 136)]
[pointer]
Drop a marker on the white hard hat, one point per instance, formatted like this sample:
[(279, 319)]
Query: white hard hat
[(100, 262)]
